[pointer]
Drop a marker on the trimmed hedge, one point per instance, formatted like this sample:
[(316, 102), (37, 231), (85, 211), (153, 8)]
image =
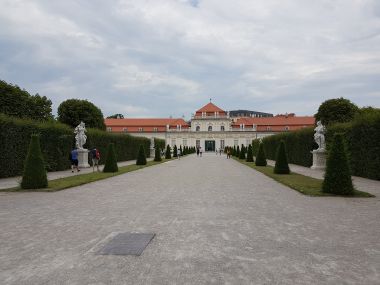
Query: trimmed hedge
[(299, 145), (56, 142)]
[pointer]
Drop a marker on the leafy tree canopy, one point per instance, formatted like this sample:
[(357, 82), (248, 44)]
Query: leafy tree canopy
[(17, 102), (336, 111), (116, 116), (73, 111)]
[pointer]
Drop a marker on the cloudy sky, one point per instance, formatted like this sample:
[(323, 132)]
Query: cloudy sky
[(163, 58)]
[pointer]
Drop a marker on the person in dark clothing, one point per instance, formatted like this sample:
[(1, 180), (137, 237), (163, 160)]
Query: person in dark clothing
[(74, 160)]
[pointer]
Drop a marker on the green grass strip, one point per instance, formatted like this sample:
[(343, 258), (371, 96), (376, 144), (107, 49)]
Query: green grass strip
[(77, 180), (304, 184)]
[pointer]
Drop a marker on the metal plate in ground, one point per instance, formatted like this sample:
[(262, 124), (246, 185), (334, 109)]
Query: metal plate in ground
[(127, 244)]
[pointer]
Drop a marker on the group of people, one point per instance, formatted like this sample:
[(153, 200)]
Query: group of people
[(199, 151), (95, 157)]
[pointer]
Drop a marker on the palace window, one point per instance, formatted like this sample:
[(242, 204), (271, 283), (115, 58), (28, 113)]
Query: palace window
[(109, 129), (198, 128), (173, 142), (155, 129), (286, 128), (222, 128), (197, 143), (184, 142), (236, 142), (210, 128), (222, 144), (268, 128), (125, 130), (141, 129)]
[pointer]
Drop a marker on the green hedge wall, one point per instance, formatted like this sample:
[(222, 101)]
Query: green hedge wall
[(299, 145), (126, 146), (57, 141), (363, 144)]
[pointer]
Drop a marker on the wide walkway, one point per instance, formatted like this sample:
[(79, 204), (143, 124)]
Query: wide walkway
[(216, 222)]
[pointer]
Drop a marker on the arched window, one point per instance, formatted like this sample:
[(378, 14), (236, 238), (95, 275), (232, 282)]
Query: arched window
[(198, 128), (222, 128), (210, 128)]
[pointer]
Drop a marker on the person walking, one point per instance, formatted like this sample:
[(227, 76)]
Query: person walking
[(74, 160), (179, 153), (198, 151), (228, 153), (95, 155)]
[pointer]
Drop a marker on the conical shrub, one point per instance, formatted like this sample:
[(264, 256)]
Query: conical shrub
[(168, 154), (234, 151), (242, 152), (157, 154), (111, 161), (249, 154), (175, 154), (141, 158), (237, 153), (34, 175), (281, 166), (338, 174), (261, 159)]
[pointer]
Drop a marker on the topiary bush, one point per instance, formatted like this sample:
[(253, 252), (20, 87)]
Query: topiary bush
[(34, 176), (237, 153), (281, 166), (242, 152), (157, 153), (141, 159), (249, 154), (337, 178), (175, 151), (261, 158), (168, 154), (111, 161)]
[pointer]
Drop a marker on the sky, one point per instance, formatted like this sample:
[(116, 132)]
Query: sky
[(164, 58)]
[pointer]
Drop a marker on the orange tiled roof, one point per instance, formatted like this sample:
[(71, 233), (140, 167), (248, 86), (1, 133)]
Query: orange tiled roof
[(210, 107), (277, 121), (142, 122)]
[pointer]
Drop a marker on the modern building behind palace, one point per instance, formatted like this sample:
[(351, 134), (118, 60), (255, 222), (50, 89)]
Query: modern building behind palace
[(211, 127)]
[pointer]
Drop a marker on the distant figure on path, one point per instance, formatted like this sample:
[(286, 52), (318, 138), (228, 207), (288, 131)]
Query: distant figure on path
[(95, 156), (74, 160), (179, 153), (220, 151), (198, 151), (228, 153)]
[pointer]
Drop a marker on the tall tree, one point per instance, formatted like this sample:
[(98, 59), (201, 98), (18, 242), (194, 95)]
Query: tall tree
[(17, 102), (338, 110), (73, 111), (116, 116)]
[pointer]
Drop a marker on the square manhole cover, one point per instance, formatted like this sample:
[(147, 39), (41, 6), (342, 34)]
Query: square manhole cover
[(127, 244)]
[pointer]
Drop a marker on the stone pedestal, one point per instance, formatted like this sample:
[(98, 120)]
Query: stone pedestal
[(319, 159), (83, 158), (152, 153)]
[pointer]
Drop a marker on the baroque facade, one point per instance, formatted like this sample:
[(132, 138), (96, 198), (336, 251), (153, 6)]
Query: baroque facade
[(210, 128)]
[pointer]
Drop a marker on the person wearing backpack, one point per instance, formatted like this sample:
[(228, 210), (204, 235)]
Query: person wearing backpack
[(95, 155)]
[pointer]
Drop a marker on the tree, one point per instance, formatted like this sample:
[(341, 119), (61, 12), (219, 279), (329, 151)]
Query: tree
[(180, 150), (175, 154), (111, 161), (73, 111), (116, 116), (141, 158), (237, 153), (261, 157), (34, 175), (157, 153), (19, 103), (168, 154), (337, 178), (249, 154), (338, 110), (281, 166)]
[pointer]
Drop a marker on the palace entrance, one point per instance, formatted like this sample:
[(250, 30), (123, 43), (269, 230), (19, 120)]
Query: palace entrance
[(209, 145)]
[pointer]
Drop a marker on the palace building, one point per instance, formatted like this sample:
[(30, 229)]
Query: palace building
[(211, 127)]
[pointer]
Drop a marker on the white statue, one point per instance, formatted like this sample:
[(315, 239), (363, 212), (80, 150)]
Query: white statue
[(80, 136), (319, 136)]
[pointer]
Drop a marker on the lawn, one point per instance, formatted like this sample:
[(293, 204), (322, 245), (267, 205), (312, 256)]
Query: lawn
[(72, 181), (304, 184)]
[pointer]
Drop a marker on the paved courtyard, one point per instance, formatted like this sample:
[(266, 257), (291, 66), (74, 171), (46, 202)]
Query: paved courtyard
[(216, 222)]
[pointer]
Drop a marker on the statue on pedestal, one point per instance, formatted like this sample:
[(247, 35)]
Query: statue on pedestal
[(319, 136), (80, 136)]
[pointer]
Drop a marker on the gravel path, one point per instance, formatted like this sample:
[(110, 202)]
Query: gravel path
[(216, 222)]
